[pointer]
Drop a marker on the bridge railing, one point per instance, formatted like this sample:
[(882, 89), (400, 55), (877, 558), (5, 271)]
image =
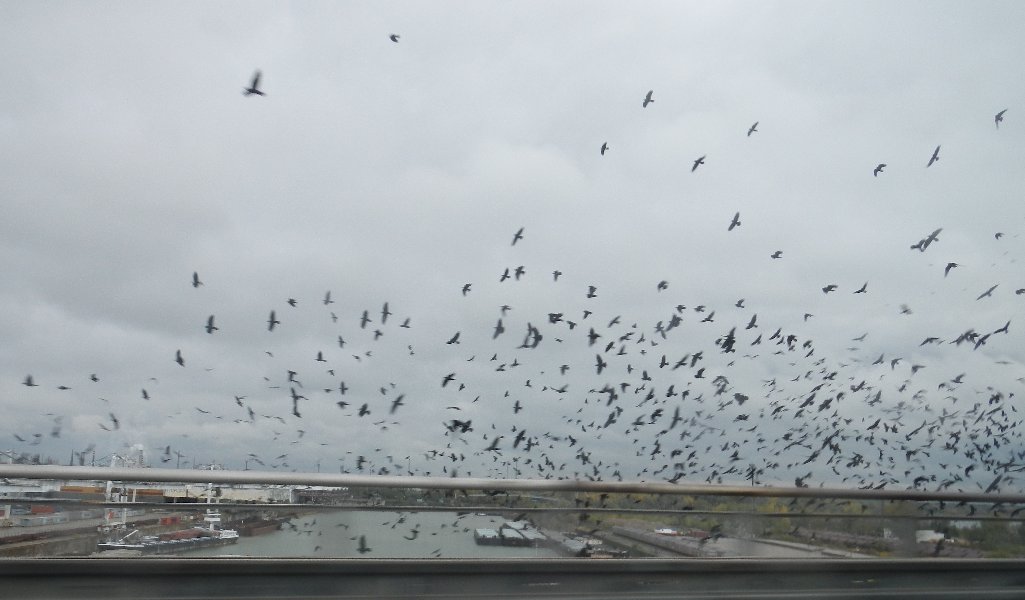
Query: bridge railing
[(573, 517)]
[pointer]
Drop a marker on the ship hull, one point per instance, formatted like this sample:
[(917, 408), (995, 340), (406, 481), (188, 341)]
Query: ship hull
[(170, 546)]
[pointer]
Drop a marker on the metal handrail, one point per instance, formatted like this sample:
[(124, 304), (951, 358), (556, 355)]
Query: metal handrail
[(516, 509), (54, 472)]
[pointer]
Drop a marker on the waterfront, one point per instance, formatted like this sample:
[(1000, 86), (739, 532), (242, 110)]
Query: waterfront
[(387, 535)]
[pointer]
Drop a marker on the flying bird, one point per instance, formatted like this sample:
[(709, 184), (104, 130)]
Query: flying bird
[(29, 382), (935, 157), (752, 129), (271, 321), (999, 118), (517, 236), (987, 293), (604, 147), (210, 328), (394, 37), (195, 280), (924, 243), (879, 169), (254, 87), (648, 99), (735, 222), (178, 358), (697, 163)]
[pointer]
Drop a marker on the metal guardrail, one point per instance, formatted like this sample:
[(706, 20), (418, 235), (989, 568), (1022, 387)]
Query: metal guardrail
[(309, 577), (52, 472), (518, 509)]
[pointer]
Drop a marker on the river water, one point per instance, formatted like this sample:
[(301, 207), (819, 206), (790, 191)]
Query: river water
[(388, 535)]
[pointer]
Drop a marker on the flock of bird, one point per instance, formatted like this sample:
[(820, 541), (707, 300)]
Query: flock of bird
[(694, 392)]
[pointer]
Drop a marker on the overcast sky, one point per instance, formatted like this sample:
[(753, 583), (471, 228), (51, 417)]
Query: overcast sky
[(399, 172)]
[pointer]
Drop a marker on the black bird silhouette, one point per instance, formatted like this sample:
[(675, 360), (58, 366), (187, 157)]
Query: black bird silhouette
[(254, 87), (735, 222), (987, 293), (752, 129), (363, 548), (935, 157), (195, 280), (210, 328), (777, 254), (879, 169), (327, 298), (271, 321), (927, 241), (385, 313), (295, 402), (604, 147), (949, 266), (178, 358), (454, 339), (517, 236), (466, 288), (648, 99), (394, 37), (396, 404), (698, 162), (999, 118), (29, 382), (862, 289)]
